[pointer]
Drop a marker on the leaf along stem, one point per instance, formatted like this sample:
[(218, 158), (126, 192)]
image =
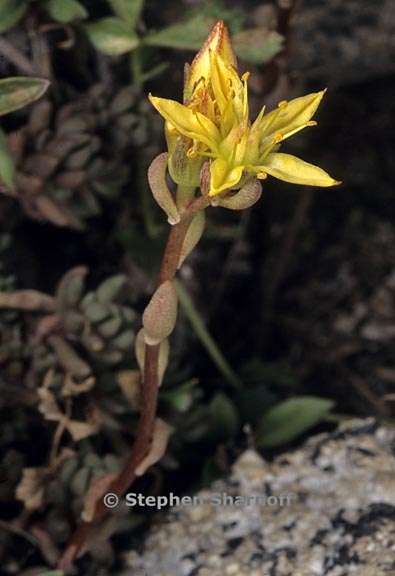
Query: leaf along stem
[(149, 391)]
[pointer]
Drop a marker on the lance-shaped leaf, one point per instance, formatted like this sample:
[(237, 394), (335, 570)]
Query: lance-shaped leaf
[(192, 237), (112, 36), (163, 360), (160, 316), (17, 92), (246, 197), (162, 432), (159, 188), (290, 418)]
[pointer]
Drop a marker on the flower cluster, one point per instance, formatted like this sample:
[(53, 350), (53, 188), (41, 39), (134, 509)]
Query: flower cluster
[(213, 122)]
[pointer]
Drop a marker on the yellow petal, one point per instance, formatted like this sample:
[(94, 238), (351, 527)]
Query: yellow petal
[(289, 117), (297, 171), (219, 82), (191, 124), (218, 42), (223, 176)]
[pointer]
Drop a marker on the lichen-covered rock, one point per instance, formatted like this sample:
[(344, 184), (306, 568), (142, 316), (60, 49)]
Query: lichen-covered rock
[(337, 515)]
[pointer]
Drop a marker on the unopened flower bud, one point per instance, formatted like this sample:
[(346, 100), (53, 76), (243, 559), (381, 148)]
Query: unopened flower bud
[(159, 188), (244, 198), (160, 316), (192, 237), (163, 359)]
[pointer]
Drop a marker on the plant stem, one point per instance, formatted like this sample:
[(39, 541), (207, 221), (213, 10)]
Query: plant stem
[(184, 195), (17, 58), (149, 399)]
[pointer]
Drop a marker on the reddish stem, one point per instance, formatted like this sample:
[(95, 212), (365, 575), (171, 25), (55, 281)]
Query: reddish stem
[(149, 399)]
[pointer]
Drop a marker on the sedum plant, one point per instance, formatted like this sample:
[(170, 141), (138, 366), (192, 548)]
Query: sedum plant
[(216, 157)]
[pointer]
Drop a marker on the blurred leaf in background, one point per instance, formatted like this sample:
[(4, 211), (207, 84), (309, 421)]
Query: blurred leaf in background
[(11, 11), (112, 36), (65, 11), (291, 418), (257, 45), (20, 91), (128, 10)]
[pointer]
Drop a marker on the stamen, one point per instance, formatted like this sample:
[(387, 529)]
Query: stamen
[(192, 152), (278, 138), (283, 104)]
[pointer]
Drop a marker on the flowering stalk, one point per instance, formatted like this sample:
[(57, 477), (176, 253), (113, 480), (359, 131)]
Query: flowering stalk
[(212, 146)]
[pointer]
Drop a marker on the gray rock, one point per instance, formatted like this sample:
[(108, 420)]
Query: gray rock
[(342, 42), (327, 508)]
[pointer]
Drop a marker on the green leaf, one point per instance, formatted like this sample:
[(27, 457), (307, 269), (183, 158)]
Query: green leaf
[(7, 168), (187, 35), (128, 10), (65, 11), (11, 11), (52, 573), (257, 45), (19, 91), (287, 420), (112, 36), (225, 421)]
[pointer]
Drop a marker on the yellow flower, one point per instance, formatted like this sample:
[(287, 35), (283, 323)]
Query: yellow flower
[(215, 119)]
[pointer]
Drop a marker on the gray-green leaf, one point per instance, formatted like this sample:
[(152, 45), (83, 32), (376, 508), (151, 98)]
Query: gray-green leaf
[(7, 168), (187, 35), (128, 10), (65, 11), (287, 420), (112, 36), (257, 45), (19, 91), (11, 11)]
